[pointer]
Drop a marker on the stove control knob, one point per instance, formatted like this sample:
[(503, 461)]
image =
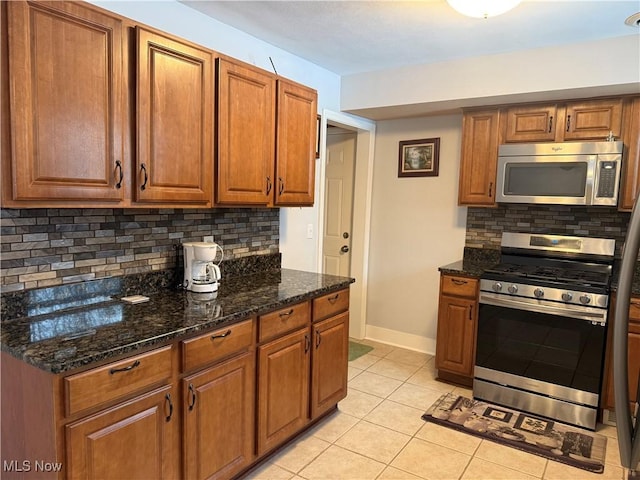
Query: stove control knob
[(538, 293), (497, 287), (567, 296), (513, 288), (585, 299)]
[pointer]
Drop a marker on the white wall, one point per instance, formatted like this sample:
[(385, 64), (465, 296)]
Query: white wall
[(416, 226), (172, 17)]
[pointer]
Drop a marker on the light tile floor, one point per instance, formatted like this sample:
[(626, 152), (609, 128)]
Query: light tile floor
[(377, 433)]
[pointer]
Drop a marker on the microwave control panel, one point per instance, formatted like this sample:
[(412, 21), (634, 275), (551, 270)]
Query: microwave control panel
[(607, 175)]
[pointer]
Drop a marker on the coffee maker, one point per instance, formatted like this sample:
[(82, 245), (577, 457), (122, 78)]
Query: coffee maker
[(201, 273)]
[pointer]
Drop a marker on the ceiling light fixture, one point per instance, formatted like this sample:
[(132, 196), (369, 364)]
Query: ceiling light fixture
[(482, 8)]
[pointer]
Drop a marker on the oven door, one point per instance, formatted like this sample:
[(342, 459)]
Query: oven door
[(541, 349)]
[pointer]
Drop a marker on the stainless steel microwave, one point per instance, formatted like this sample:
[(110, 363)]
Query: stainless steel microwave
[(585, 173)]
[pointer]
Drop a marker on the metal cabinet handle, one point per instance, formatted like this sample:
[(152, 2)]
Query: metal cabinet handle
[(192, 400), (471, 312), (125, 369), (334, 299), (568, 122), (318, 339), (307, 343), (143, 167), (550, 123), (286, 314), (269, 185), (281, 189), (167, 398), (221, 335), (490, 189), (121, 176), (457, 281)]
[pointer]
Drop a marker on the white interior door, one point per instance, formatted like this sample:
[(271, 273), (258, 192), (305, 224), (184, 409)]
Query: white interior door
[(338, 218)]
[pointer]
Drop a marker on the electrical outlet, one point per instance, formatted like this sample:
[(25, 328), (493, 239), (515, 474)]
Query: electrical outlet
[(310, 230), (208, 238)]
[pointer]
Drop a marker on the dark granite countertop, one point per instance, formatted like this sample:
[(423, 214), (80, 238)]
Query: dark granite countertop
[(78, 336), (474, 262)]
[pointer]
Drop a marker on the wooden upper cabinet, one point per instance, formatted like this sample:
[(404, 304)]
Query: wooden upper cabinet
[(246, 135), (295, 143), (66, 104), (630, 186), (175, 121), (480, 138), (531, 123), (593, 119)]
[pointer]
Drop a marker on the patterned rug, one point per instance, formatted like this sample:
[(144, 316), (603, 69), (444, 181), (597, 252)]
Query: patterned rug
[(546, 438), (357, 350)]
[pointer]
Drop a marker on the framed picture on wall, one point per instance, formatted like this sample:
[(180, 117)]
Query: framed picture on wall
[(419, 158)]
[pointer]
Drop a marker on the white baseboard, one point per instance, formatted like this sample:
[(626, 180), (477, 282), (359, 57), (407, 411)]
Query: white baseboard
[(401, 339)]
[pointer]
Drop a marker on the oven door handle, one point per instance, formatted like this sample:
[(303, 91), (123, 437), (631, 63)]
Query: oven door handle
[(567, 311)]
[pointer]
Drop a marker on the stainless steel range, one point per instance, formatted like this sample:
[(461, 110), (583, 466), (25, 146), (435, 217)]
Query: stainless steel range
[(542, 326)]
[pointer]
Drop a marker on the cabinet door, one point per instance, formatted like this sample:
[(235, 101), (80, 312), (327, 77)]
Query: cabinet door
[(65, 64), (531, 124), (295, 144), (455, 342), (283, 388), (175, 121), (246, 135), (631, 166), (133, 440), (219, 419), (593, 120), (479, 158), (329, 363)]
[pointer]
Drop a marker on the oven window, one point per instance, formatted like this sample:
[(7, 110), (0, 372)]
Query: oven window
[(551, 348), (554, 179)]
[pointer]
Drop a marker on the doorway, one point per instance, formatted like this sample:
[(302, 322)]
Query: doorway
[(363, 133)]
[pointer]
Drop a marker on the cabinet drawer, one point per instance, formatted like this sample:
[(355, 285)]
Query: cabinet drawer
[(330, 304), (284, 320), (459, 286), (116, 379), (217, 344)]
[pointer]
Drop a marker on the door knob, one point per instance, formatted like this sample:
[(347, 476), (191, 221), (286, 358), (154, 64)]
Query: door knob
[(344, 249)]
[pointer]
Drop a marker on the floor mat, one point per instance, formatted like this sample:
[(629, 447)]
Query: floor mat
[(553, 440), (357, 350)]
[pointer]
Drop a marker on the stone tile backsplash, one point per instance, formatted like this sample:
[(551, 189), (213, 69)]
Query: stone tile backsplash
[(485, 225), (47, 247)]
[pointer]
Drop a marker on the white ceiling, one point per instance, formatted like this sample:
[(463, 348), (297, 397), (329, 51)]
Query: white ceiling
[(348, 37)]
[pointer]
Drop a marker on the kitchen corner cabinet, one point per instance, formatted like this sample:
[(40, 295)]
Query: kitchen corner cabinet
[(457, 327), (630, 181), (266, 138), (65, 64), (174, 121), (608, 401), (479, 157)]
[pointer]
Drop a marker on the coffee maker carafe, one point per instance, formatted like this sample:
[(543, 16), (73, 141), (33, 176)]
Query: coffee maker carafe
[(201, 272)]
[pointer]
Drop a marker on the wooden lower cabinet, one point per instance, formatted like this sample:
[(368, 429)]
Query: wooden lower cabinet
[(283, 388), (135, 440), (329, 363), (218, 411), (457, 326)]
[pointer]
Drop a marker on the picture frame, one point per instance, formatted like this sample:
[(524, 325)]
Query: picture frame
[(318, 121), (419, 158)]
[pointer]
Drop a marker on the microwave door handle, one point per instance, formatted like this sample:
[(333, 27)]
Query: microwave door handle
[(591, 179)]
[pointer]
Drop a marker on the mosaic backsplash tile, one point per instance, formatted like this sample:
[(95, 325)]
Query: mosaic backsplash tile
[(48, 247)]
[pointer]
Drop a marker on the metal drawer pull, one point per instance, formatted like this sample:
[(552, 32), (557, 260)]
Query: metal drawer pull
[(334, 298), (221, 335), (192, 401), (550, 123), (121, 176), (269, 185), (125, 369), (167, 398), (459, 282), (143, 167), (286, 314), (281, 189)]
